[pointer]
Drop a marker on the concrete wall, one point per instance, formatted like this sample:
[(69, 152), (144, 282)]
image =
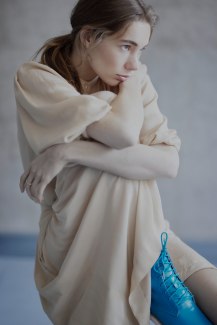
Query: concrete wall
[(182, 62)]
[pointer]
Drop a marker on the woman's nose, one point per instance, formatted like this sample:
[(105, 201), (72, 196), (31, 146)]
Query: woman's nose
[(132, 64)]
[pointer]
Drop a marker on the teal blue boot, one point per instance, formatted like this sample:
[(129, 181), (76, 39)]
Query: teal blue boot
[(171, 301)]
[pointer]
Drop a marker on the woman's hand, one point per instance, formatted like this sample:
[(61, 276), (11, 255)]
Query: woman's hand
[(41, 172), (133, 83)]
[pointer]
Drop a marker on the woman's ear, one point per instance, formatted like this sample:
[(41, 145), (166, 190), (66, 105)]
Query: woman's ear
[(86, 37)]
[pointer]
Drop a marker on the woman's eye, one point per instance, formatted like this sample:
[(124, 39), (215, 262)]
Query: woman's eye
[(125, 47)]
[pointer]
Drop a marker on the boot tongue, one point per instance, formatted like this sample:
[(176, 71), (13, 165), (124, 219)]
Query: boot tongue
[(170, 276)]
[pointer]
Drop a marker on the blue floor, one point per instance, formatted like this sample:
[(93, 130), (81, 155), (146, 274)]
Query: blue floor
[(20, 304), (19, 300)]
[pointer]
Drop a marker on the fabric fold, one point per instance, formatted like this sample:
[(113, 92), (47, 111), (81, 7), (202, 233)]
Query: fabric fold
[(155, 126), (50, 110), (147, 248), (99, 233)]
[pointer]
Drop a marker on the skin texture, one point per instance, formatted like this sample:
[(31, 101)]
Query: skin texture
[(113, 55)]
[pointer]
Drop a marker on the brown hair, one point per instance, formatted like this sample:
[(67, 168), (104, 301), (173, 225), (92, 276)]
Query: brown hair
[(105, 17)]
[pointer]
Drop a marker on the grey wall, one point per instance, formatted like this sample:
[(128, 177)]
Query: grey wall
[(182, 61)]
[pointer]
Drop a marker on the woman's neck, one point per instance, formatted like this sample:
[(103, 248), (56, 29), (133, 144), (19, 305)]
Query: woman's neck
[(82, 66), (90, 86)]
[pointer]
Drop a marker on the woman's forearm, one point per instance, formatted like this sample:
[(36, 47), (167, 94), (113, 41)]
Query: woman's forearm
[(121, 127), (138, 162)]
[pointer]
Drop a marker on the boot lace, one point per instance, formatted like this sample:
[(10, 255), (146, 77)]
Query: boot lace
[(172, 283)]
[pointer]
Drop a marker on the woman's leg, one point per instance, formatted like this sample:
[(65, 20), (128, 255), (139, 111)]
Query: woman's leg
[(203, 285), (198, 274)]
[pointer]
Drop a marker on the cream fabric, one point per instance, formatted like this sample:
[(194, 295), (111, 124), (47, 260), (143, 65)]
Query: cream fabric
[(99, 233)]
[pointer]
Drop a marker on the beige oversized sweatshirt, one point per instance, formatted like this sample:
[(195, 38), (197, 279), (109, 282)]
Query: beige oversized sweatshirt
[(99, 233)]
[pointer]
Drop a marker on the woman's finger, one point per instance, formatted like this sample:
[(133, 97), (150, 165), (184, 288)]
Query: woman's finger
[(29, 179), (36, 189), (28, 191), (39, 188), (33, 187), (23, 179), (41, 191)]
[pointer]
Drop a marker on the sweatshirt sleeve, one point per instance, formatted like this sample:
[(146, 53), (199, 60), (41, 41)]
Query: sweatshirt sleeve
[(155, 129), (50, 110)]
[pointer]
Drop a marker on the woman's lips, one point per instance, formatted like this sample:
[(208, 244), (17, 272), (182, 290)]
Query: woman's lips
[(121, 77)]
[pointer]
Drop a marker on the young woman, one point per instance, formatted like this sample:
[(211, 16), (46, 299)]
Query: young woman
[(93, 142)]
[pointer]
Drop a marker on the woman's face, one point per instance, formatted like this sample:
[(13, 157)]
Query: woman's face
[(116, 57)]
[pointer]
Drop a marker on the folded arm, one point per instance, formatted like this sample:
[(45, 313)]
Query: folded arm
[(58, 124), (139, 162), (121, 127)]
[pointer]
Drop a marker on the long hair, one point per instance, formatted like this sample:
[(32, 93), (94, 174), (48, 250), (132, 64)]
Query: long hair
[(104, 18)]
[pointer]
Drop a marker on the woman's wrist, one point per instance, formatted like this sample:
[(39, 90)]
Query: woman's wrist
[(72, 152), (130, 88), (60, 152)]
